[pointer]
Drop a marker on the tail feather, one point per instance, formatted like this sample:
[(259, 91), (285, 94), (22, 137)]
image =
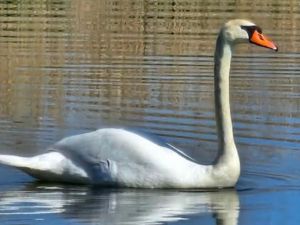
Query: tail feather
[(40, 166), (14, 161), (50, 166)]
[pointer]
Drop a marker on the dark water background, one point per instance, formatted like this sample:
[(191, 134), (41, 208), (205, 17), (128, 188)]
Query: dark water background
[(68, 67)]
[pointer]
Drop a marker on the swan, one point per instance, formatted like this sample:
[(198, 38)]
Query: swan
[(121, 158)]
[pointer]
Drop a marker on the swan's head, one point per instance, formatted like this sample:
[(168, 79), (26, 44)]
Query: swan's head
[(243, 31)]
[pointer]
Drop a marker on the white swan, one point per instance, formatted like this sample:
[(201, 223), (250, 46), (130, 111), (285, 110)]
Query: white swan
[(117, 157)]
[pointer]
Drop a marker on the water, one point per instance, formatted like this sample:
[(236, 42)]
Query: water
[(68, 67)]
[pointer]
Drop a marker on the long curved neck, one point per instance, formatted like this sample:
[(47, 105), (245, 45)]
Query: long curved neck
[(225, 171), (227, 152)]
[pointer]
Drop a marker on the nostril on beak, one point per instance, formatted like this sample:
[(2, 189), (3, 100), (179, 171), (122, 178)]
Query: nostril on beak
[(261, 37)]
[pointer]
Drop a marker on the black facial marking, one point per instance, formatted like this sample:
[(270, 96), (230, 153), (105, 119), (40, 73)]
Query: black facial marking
[(251, 29)]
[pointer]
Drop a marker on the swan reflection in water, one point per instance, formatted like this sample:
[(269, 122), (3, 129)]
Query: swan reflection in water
[(118, 206)]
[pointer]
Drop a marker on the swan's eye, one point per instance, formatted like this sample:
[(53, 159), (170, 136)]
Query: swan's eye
[(250, 29), (258, 29)]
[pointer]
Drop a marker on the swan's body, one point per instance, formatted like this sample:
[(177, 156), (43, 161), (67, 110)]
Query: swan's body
[(117, 157)]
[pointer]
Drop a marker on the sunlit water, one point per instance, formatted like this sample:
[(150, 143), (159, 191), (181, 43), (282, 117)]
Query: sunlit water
[(68, 67)]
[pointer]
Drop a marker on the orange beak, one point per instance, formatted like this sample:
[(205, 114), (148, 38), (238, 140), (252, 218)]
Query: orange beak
[(260, 40)]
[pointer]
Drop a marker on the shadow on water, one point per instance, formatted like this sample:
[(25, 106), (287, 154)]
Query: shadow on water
[(80, 204)]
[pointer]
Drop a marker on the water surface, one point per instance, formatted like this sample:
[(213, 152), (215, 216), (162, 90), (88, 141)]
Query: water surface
[(68, 67)]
